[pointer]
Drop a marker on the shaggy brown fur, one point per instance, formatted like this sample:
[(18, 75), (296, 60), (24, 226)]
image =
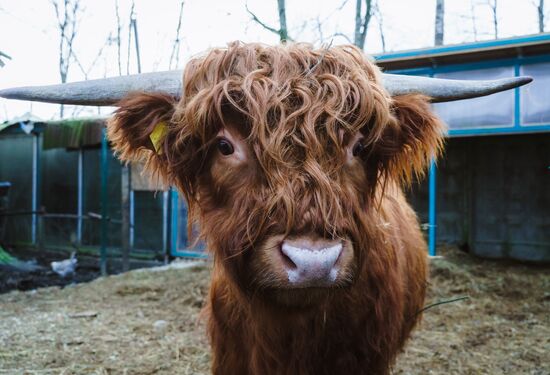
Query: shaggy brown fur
[(296, 110)]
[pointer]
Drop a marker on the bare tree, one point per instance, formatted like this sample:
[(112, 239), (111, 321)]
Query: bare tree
[(493, 4), (540, 14), (175, 55), (319, 29), (473, 18), (439, 22), (362, 22), (380, 19), (132, 15), (118, 39), (282, 31), (319, 24), (86, 72), (66, 12)]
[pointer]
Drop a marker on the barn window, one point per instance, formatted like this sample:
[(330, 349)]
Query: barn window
[(536, 96), (490, 111)]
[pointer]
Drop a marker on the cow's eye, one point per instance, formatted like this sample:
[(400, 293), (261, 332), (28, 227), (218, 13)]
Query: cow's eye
[(358, 148), (225, 147)]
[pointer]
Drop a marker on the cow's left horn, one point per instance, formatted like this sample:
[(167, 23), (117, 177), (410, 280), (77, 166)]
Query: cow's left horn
[(446, 90), (109, 91)]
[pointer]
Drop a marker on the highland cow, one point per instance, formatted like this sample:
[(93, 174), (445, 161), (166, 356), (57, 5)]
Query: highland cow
[(293, 162)]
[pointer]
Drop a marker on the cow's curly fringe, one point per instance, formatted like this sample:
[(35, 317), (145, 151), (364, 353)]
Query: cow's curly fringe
[(299, 115)]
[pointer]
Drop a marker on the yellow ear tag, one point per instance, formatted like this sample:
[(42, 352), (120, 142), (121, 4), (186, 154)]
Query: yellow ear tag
[(157, 135)]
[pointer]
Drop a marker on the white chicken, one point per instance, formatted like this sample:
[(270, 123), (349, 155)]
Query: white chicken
[(65, 267)]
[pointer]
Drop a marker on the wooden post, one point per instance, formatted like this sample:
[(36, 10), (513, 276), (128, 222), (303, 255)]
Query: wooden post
[(104, 203), (36, 219)]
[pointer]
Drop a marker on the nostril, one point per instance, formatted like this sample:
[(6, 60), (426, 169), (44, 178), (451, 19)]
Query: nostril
[(288, 263)]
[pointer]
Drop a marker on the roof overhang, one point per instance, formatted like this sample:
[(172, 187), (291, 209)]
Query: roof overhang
[(466, 53)]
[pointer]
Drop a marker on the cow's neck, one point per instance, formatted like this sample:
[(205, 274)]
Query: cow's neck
[(281, 341)]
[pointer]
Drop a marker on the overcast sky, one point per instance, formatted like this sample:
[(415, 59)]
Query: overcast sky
[(29, 33)]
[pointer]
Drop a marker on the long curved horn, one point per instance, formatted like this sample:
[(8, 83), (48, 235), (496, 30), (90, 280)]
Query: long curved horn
[(446, 90), (100, 92), (109, 91)]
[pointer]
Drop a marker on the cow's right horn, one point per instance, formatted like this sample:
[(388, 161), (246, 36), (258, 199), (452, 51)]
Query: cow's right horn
[(446, 90), (100, 92)]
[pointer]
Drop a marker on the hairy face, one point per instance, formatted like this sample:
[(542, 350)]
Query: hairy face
[(283, 154)]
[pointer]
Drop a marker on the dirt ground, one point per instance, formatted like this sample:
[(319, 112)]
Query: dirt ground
[(41, 275), (147, 322)]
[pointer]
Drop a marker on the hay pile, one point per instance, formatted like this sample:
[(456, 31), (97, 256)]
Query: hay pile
[(147, 322)]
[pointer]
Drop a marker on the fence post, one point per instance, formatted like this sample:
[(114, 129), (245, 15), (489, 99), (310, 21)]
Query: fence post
[(104, 202), (432, 218), (35, 186), (80, 194), (125, 206)]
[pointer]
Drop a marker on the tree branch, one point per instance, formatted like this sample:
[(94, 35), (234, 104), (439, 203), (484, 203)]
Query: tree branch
[(378, 14), (282, 32), (347, 38), (130, 37), (67, 24), (2, 54), (257, 20), (118, 37), (176, 45), (493, 5)]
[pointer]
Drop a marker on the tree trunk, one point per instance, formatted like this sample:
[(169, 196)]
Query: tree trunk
[(357, 36), (362, 22), (439, 22), (66, 13), (540, 10), (174, 56), (378, 15), (473, 18), (283, 31), (118, 39), (493, 6)]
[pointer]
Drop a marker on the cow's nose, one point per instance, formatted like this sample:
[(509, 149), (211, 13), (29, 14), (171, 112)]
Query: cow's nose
[(311, 263)]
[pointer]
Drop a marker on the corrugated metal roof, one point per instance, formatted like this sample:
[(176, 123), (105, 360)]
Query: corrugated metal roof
[(67, 133), (73, 133), (20, 121)]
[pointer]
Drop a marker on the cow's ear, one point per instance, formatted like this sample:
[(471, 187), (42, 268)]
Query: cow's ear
[(138, 127), (419, 134)]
